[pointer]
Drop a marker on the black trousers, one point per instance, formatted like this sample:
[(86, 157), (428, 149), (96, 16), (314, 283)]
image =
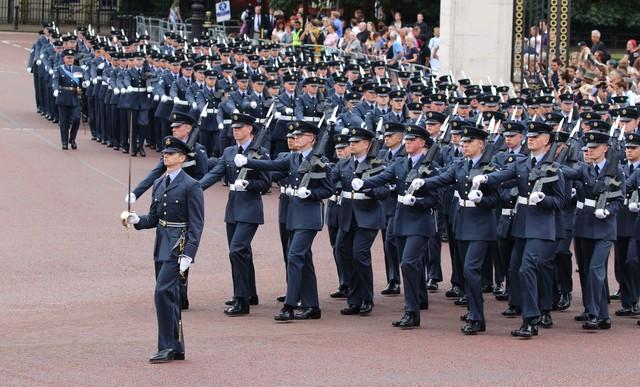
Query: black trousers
[(239, 237), (167, 301), (302, 284), (354, 248), (69, 122), (412, 253)]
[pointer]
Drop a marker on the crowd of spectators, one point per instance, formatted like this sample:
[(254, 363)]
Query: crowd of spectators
[(399, 41)]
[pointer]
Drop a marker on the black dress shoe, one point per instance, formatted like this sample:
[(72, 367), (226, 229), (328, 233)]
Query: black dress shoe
[(308, 314), (253, 300), (281, 298), (486, 289), (565, 301), (116, 148), (464, 317), (473, 327), (184, 303), (546, 321), (462, 301), (454, 292), (55, 120), (409, 320), (512, 311), (73, 144), (179, 356), (391, 289), (498, 289), (504, 296), (230, 301), (109, 145), (590, 324), (526, 331), (162, 356), (604, 323), (240, 307), (584, 316), (366, 308), (432, 285), (351, 309), (65, 146), (339, 293), (424, 306), (615, 296), (285, 314), (125, 148), (625, 312), (142, 152)]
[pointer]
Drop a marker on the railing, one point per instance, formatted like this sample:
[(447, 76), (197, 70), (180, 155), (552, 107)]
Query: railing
[(157, 27), (95, 12)]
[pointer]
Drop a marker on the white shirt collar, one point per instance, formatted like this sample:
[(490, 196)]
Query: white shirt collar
[(306, 152), (361, 159), (245, 145)]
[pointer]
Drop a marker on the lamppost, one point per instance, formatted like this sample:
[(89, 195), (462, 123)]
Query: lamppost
[(197, 17)]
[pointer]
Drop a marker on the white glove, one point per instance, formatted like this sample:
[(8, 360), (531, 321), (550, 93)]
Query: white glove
[(55, 93), (95, 81), (149, 89), (277, 115), (221, 126), (38, 62), (194, 106), (86, 84), (130, 198), (573, 192), (356, 184), (29, 70), (253, 104), (116, 91), (129, 89), (240, 160), (480, 179), (303, 193), (185, 262), (176, 100), (288, 111), (475, 195), (601, 213), (156, 97), (408, 200), (392, 187), (164, 98), (633, 207), (133, 218), (50, 71), (536, 197), (288, 191), (41, 56), (83, 67), (101, 66), (241, 185), (123, 90), (416, 184)]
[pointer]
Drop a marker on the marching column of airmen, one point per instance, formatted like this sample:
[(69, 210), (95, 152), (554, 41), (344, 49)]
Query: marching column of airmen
[(517, 182)]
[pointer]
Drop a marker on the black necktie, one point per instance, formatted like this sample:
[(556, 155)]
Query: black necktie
[(410, 163), (201, 85), (533, 162), (597, 170), (189, 82), (355, 164), (340, 100), (456, 153), (167, 181), (470, 164), (240, 150), (511, 152), (630, 169)]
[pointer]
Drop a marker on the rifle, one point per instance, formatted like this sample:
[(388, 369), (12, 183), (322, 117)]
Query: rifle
[(484, 165), (605, 189), (372, 165), (546, 173), (571, 146), (425, 167), (306, 166), (255, 149)]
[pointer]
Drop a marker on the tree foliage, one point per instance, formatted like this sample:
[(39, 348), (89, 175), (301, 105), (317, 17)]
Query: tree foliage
[(606, 13)]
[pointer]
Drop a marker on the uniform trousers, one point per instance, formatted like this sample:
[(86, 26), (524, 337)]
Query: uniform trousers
[(69, 122), (412, 252), (167, 300), (354, 247), (391, 261), (474, 253), (239, 237), (301, 275), (627, 270)]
